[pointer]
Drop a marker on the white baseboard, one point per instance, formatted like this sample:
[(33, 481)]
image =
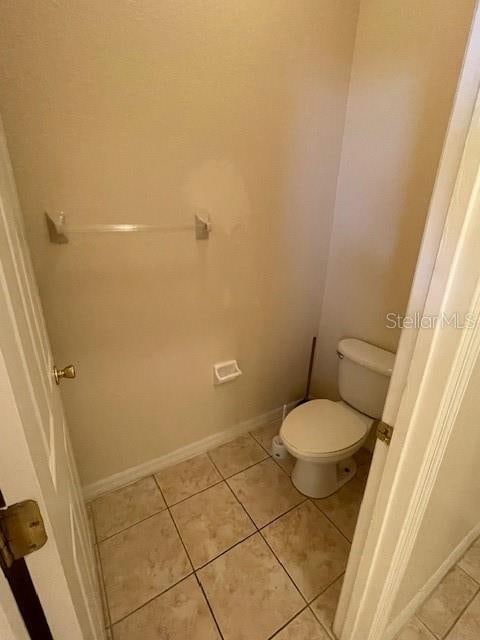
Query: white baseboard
[(122, 478), (431, 584)]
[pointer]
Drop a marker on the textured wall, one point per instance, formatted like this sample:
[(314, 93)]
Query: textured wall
[(146, 112), (405, 68)]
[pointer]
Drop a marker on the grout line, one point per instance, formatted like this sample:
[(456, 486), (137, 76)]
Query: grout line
[(328, 631), (190, 559), (322, 626), (465, 571), (330, 584), (283, 567), (191, 572), (317, 595), (130, 526), (195, 569), (242, 505), (260, 444), (244, 508), (191, 562), (176, 529), (287, 623), (236, 544), (250, 466), (209, 605), (157, 595), (295, 506), (289, 475), (423, 625), (213, 462), (459, 615), (257, 530), (139, 521), (304, 499), (210, 486), (332, 522), (269, 424), (226, 477)]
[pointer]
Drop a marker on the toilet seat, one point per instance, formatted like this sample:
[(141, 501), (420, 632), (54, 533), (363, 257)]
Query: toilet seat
[(323, 429)]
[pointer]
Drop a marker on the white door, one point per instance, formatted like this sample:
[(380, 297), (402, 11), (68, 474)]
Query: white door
[(36, 460)]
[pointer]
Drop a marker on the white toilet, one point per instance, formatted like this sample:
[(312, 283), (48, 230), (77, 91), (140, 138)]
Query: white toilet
[(323, 435)]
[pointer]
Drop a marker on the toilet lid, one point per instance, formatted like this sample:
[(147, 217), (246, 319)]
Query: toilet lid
[(322, 426)]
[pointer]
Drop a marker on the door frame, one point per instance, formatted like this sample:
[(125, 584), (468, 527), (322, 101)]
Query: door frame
[(431, 374)]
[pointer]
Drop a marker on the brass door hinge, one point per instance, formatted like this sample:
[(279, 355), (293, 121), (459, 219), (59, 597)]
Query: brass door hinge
[(384, 432), (21, 531)]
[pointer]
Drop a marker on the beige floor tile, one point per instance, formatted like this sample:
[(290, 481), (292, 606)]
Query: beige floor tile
[(211, 522), (448, 600), (249, 591), (468, 627), (118, 510), (265, 434), (343, 506), (471, 561), (141, 562), (187, 478), (415, 630), (325, 606), (265, 491), (179, 614), (303, 627), (237, 455), (309, 547)]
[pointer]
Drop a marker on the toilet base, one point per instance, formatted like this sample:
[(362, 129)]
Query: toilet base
[(319, 480)]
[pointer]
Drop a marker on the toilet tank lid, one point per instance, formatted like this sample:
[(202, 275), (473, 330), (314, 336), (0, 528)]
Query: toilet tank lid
[(367, 355)]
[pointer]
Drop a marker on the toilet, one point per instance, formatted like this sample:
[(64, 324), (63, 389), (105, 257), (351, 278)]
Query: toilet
[(323, 435)]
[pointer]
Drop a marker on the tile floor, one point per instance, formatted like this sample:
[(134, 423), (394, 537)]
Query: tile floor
[(452, 612), (223, 546)]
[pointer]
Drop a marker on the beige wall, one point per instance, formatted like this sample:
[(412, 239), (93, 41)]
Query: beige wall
[(146, 112), (405, 68), (454, 508)]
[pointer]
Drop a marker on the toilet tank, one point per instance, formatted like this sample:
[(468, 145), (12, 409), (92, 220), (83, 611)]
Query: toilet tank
[(364, 375)]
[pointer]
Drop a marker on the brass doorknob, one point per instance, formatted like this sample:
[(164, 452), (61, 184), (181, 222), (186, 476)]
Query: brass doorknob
[(66, 372)]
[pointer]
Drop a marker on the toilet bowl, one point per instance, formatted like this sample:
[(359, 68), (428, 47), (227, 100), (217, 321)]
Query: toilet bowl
[(323, 435)]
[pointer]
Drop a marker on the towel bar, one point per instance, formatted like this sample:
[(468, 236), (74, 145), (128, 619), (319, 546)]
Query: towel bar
[(58, 230)]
